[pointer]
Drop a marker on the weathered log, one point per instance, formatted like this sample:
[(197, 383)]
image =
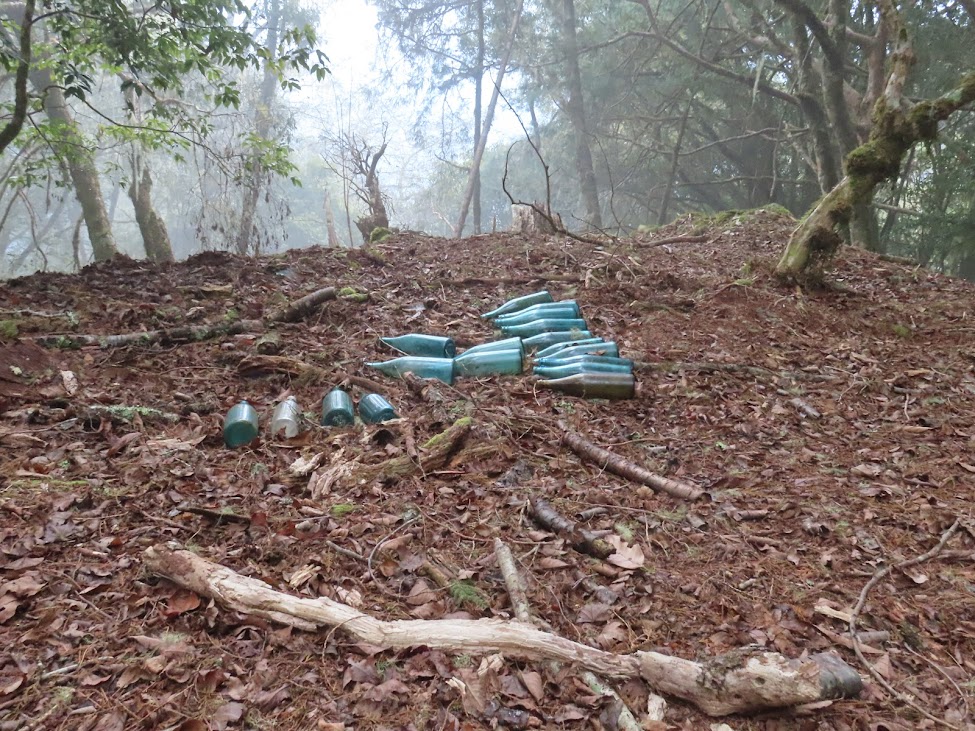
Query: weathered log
[(606, 460), (738, 682)]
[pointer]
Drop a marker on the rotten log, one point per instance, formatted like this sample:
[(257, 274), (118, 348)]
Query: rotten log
[(579, 538), (606, 460), (191, 333), (742, 681)]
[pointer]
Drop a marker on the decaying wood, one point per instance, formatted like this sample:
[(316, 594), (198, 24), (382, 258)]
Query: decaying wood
[(366, 384), (434, 454), (606, 460), (522, 610), (738, 682), (535, 219), (579, 538), (192, 333)]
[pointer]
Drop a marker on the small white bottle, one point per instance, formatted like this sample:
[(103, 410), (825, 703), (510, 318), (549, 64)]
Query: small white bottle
[(286, 418)]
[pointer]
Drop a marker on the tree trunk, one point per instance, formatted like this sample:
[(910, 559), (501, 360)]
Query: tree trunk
[(488, 118), (333, 236), (12, 128), (80, 161), (897, 128), (576, 110), (155, 237), (262, 128), (478, 91), (674, 165)]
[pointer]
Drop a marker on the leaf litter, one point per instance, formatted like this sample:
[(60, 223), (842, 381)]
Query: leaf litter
[(803, 509)]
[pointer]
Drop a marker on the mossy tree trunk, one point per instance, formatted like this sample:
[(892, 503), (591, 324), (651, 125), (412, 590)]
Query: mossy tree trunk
[(898, 126)]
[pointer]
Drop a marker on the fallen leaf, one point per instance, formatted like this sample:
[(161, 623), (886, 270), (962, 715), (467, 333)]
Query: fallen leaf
[(533, 683), (180, 602), (627, 557), (226, 714), (594, 613)]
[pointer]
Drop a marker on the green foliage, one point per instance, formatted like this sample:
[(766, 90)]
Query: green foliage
[(466, 594), (9, 329), (380, 233)]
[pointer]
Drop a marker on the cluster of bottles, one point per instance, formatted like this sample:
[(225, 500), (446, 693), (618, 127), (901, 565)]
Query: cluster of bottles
[(570, 358), (240, 427)]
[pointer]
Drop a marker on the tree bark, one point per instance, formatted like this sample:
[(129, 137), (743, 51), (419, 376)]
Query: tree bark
[(155, 237), (79, 157), (576, 110), (478, 92), (332, 233), (488, 119)]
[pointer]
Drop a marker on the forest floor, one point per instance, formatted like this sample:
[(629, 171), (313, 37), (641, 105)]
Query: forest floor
[(833, 430)]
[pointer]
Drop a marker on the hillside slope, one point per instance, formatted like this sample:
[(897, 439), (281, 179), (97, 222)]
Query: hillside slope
[(834, 432)]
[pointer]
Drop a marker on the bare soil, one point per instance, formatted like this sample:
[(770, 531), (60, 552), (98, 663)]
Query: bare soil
[(833, 429)]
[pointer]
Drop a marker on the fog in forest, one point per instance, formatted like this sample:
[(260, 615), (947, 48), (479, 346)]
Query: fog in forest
[(162, 130)]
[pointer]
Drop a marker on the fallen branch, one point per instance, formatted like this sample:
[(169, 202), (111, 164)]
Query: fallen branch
[(508, 281), (522, 611), (579, 538), (861, 603), (258, 365), (192, 333), (606, 460), (738, 682)]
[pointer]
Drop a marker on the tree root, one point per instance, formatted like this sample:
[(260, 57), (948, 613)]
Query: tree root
[(738, 682)]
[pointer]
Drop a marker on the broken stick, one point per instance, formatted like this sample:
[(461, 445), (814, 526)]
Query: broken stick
[(738, 682), (606, 460), (579, 538)]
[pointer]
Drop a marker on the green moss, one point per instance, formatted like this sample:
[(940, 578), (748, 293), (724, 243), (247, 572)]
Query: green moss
[(231, 315), (380, 233), (340, 509), (466, 594), (9, 329), (461, 423), (901, 331), (63, 342), (348, 292)]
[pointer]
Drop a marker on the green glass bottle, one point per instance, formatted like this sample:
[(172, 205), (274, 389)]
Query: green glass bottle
[(430, 346), (491, 363), (544, 340), (240, 425), (549, 311), (519, 303), (557, 360), (374, 409), (609, 349), (556, 347), (544, 326), (568, 369), (506, 344), (440, 368), (337, 409), (594, 385)]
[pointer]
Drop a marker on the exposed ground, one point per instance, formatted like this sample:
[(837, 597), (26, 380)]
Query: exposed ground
[(804, 511)]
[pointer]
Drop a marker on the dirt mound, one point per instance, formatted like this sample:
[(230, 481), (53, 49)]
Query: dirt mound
[(832, 430)]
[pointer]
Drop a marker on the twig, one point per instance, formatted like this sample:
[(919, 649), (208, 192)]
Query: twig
[(522, 611), (861, 602), (624, 468), (345, 552), (375, 550)]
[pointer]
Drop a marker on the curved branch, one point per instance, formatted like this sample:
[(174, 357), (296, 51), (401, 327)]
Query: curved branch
[(10, 131)]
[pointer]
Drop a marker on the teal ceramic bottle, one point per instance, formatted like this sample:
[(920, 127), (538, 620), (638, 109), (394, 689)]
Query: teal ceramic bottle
[(506, 344), (240, 425), (440, 368), (519, 303), (286, 419), (594, 385), (570, 369), (556, 347), (557, 360), (491, 363), (548, 311), (374, 409), (609, 349), (544, 326), (430, 346), (337, 409)]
